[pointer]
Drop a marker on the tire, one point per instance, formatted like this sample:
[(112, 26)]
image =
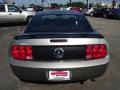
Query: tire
[(91, 14), (29, 18), (119, 17), (104, 15)]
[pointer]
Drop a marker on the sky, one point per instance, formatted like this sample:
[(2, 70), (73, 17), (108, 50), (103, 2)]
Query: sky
[(26, 2), (39, 1)]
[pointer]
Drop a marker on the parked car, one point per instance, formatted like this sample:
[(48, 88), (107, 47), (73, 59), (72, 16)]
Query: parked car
[(59, 46), (101, 12), (76, 9), (12, 14), (31, 9), (72, 8), (38, 8), (114, 13), (65, 8), (89, 11)]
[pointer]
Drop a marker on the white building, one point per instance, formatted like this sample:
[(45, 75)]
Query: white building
[(109, 5)]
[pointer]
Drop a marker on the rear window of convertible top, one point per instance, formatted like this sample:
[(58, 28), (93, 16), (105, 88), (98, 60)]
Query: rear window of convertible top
[(59, 23)]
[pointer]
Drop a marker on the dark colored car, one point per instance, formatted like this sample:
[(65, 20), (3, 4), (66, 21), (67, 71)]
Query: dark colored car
[(101, 12), (114, 13), (38, 8), (59, 46)]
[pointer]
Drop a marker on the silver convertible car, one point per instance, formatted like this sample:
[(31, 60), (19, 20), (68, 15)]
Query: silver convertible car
[(58, 46)]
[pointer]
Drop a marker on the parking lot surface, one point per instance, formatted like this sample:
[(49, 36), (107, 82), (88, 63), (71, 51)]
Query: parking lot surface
[(109, 81)]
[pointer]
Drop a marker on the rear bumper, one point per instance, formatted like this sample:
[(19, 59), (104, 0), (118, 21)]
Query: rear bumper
[(41, 74)]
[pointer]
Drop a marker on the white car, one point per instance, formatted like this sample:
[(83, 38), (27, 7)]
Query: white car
[(89, 11), (66, 8), (12, 14), (30, 9)]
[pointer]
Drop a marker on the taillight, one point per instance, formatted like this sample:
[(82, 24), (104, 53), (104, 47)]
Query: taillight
[(96, 51), (22, 52)]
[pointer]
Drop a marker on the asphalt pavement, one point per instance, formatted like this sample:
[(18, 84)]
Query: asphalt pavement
[(109, 81)]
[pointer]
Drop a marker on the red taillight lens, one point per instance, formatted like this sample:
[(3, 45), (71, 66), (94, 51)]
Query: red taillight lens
[(96, 51), (22, 52)]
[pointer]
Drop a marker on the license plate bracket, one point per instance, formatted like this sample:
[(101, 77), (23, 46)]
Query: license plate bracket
[(58, 75)]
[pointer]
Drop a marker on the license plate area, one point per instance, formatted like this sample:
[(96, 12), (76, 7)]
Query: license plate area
[(58, 75)]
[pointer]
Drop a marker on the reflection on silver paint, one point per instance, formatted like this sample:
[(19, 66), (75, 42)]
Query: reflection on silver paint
[(68, 64), (71, 41)]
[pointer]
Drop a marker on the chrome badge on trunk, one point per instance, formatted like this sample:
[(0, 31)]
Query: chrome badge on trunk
[(58, 53)]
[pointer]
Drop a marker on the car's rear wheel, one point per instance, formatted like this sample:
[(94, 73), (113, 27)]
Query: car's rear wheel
[(119, 17), (104, 15), (91, 14)]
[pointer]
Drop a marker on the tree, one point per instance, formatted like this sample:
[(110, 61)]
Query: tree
[(98, 5), (61, 5), (23, 7), (13, 3), (54, 5), (76, 4), (32, 5), (91, 5)]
